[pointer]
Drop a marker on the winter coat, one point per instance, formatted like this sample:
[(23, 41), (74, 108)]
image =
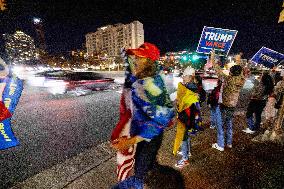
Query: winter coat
[(231, 88)]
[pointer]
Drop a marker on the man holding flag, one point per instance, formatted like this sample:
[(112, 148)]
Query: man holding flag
[(145, 111)]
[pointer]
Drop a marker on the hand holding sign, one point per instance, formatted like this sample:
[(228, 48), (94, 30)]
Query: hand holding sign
[(212, 57), (238, 59)]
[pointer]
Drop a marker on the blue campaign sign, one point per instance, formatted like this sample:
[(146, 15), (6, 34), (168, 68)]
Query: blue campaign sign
[(267, 57), (11, 96), (7, 138), (216, 38)]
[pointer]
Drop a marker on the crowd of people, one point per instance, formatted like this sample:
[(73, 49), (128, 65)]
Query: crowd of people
[(146, 110)]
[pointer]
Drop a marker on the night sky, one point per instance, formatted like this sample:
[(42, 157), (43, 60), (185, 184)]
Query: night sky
[(171, 25)]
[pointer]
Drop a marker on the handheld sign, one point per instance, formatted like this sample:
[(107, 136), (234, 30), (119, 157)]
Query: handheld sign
[(216, 38), (267, 57), (11, 97)]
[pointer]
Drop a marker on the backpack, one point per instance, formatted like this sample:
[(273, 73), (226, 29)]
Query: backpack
[(202, 94), (213, 97)]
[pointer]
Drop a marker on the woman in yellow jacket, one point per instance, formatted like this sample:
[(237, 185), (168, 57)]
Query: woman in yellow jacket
[(188, 115)]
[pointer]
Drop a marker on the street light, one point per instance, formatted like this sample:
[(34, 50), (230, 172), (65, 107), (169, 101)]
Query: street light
[(37, 20), (195, 57)]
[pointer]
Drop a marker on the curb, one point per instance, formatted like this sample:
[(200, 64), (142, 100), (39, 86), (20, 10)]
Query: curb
[(61, 175)]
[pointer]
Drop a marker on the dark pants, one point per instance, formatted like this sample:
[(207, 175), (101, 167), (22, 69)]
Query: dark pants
[(145, 156), (255, 107), (145, 160)]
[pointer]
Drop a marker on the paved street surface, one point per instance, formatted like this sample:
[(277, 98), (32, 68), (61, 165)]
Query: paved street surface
[(246, 165)]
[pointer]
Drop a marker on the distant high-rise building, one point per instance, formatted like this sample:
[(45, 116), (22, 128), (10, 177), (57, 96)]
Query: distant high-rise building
[(20, 48), (37, 22), (111, 39)]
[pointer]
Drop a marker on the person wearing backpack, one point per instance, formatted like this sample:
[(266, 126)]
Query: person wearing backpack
[(213, 103), (231, 87), (189, 120), (260, 93)]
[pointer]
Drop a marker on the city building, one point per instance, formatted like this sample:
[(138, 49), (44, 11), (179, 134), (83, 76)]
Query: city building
[(20, 48), (38, 25), (110, 39), (78, 53)]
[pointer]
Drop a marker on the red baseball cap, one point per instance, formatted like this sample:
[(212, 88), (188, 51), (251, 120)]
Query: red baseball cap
[(146, 50)]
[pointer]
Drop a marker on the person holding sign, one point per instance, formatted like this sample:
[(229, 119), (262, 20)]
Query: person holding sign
[(260, 93), (230, 90)]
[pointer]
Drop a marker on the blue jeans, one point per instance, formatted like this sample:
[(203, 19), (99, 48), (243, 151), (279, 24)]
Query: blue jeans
[(225, 121), (255, 107), (185, 148), (214, 112)]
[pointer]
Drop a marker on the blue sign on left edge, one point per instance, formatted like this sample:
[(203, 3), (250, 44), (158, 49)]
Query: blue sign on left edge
[(11, 96), (219, 39), (267, 57)]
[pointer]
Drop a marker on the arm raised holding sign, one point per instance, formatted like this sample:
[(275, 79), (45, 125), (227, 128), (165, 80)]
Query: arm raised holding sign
[(215, 66)]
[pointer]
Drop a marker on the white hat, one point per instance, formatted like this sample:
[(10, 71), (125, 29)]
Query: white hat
[(173, 96), (189, 71)]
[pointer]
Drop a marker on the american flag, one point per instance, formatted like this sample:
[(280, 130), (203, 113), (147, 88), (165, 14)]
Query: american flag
[(125, 159)]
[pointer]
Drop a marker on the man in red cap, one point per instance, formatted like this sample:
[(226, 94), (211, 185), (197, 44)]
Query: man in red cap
[(145, 111)]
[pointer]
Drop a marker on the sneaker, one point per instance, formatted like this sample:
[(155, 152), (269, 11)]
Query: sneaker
[(216, 146), (248, 131), (182, 163), (229, 145), (212, 127)]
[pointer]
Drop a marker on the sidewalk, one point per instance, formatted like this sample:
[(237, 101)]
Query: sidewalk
[(247, 165)]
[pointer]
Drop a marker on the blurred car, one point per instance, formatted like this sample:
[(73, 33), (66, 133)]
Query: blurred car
[(62, 81)]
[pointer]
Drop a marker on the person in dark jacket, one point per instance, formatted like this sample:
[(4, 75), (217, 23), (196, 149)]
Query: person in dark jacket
[(259, 96), (213, 103)]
